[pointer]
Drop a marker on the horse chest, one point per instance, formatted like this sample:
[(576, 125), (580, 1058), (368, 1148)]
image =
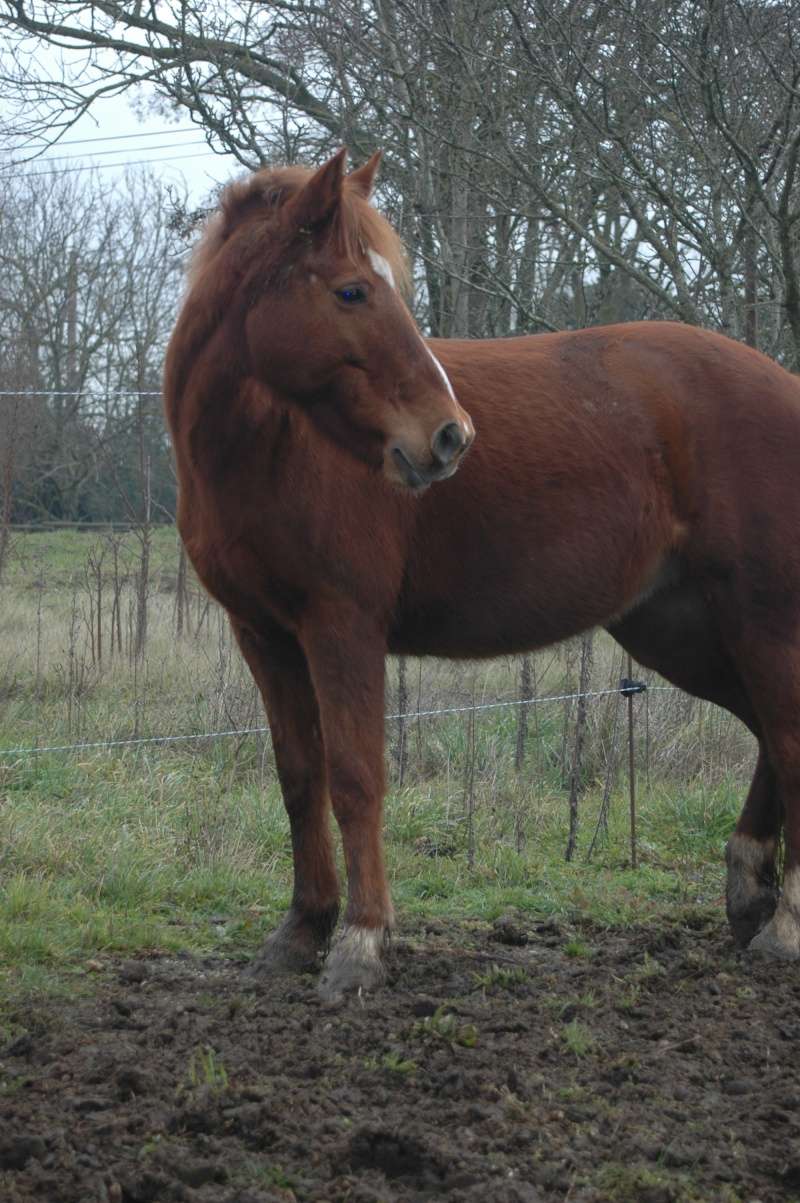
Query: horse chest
[(278, 566), (246, 576)]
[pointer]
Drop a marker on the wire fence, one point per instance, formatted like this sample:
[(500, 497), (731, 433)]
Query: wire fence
[(102, 744), (628, 688), (96, 394)]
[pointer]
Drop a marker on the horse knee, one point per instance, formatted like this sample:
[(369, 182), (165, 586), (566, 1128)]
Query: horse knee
[(299, 789), (356, 792)]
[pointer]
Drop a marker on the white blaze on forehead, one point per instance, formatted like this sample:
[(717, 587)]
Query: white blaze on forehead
[(381, 267), (441, 372)]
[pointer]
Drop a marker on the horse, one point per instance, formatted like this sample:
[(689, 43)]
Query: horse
[(348, 488)]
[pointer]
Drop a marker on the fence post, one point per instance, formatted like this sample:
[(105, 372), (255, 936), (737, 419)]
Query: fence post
[(402, 709), (576, 782), (601, 827), (629, 687), (469, 781), (525, 695)]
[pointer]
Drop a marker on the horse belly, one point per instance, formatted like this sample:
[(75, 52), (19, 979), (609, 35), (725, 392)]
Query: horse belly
[(496, 615)]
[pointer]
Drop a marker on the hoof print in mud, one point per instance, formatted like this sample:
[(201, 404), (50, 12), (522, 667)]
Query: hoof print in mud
[(17, 1151), (399, 1156)]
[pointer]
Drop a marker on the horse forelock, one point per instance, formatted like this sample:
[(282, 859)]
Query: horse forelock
[(357, 228), (363, 229)]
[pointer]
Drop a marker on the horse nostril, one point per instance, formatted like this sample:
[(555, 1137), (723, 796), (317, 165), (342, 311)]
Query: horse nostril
[(448, 443)]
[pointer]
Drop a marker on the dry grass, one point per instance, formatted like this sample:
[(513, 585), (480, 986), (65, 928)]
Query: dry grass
[(68, 673)]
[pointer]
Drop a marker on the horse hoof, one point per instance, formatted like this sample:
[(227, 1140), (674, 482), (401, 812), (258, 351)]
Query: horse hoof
[(751, 892), (278, 957), (355, 963), (747, 922), (294, 947), (779, 940)]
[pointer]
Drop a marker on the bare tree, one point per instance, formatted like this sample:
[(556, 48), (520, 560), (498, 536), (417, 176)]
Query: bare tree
[(20, 416), (685, 119), (549, 163), (433, 84), (88, 289)]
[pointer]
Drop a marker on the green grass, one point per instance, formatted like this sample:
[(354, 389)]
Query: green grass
[(103, 858), (444, 1027), (59, 557), (624, 1183), (578, 1038), (500, 978), (184, 846), (207, 1070), (111, 855)]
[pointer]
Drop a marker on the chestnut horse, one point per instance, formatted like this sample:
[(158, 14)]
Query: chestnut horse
[(642, 478)]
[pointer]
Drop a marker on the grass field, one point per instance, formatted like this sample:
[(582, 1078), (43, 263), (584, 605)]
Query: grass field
[(183, 845)]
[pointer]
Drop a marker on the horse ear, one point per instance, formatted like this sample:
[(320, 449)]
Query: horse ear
[(319, 198), (363, 178)]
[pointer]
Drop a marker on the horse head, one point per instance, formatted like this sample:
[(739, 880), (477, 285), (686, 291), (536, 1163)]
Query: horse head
[(319, 295)]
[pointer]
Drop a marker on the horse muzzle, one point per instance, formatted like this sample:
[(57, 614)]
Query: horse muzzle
[(447, 448)]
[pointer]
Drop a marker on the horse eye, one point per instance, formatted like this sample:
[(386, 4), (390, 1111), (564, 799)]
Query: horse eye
[(352, 295)]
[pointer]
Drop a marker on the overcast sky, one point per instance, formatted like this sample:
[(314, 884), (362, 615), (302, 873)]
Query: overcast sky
[(113, 136)]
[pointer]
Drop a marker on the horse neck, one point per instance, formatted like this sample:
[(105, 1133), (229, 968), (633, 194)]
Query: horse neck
[(214, 410), (232, 424)]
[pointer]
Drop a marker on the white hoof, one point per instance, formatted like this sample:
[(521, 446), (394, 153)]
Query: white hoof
[(354, 963), (780, 939)]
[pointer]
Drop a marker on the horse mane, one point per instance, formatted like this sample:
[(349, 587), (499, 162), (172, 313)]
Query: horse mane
[(357, 227)]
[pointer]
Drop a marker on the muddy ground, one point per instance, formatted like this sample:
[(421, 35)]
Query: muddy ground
[(507, 1064)]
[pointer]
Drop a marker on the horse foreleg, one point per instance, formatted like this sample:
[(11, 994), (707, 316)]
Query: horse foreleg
[(752, 888), (346, 657), (279, 667)]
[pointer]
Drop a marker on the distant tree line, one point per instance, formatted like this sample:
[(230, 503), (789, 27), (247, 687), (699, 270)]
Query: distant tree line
[(89, 282), (550, 163)]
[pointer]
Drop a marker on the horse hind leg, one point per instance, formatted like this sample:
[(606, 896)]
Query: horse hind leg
[(780, 937), (675, 634), (770, 666), (752, 886), (279, 667)]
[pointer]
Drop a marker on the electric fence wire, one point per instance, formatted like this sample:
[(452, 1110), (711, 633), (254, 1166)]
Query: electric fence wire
[(37, 750)]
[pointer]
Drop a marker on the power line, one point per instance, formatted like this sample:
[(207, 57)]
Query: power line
[(185, 129), (66, 171), (81, 392), (98, 154)]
